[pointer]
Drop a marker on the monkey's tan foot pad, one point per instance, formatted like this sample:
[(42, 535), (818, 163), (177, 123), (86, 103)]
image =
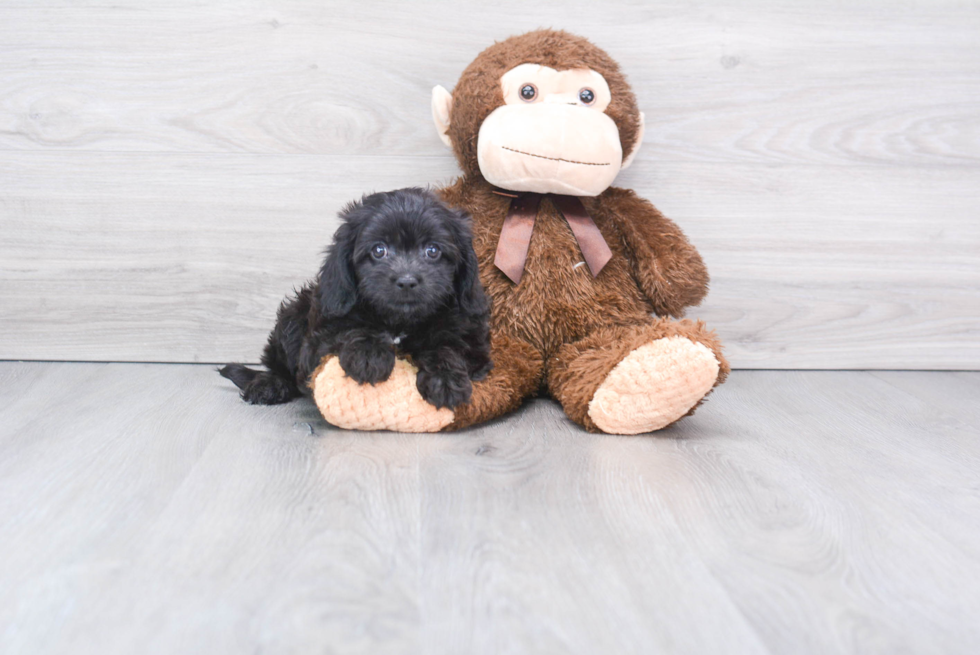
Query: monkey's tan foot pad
[(653, 386), (394, 404)]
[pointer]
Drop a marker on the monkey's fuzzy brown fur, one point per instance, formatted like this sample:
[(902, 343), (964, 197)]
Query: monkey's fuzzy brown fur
[(563, 329), (560, 329)]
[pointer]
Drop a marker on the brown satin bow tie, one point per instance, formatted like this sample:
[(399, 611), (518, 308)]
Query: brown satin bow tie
[(515, 235)]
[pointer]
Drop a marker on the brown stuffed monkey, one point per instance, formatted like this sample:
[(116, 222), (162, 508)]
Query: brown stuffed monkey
[(581, 276)]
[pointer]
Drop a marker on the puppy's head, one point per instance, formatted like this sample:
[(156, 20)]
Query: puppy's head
[(406, 255)]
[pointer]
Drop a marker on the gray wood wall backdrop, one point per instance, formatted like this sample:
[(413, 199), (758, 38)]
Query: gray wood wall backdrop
[(168, 171)]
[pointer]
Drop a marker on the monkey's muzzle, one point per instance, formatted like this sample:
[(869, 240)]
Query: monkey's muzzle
[(550, 148)]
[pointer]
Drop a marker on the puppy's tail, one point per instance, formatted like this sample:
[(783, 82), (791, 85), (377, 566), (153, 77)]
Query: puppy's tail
[(240, 375), (260, 387)]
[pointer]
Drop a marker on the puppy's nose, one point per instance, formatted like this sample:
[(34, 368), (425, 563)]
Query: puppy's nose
[(407, 282)]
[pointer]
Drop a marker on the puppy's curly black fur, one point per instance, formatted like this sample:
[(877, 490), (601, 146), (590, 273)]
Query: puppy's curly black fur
[(400, 278)]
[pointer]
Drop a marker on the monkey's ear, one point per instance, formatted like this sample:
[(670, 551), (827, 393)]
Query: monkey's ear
[(338, 287), (636, 146), (442, 104)]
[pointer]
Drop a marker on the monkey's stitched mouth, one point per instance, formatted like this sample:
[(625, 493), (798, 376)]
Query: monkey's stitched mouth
[(567, 161)]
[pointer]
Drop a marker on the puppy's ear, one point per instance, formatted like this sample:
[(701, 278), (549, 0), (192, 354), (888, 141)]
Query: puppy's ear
[(338, 285), (469, 291)]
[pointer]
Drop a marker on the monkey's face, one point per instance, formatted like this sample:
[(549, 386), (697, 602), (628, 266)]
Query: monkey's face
[(551, 135), (545, 111)]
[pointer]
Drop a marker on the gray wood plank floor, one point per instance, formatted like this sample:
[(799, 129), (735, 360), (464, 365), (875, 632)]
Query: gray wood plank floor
[(144, 508)]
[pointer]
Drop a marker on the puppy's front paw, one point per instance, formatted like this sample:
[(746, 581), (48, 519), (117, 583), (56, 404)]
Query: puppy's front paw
[(367, 363), (444, 388)]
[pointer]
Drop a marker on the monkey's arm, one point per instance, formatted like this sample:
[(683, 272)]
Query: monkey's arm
[(667, 267)]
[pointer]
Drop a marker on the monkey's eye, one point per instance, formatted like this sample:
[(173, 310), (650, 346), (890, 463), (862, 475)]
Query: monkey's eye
[(587, 96), (379, 250), (432, 251), (529, 92)]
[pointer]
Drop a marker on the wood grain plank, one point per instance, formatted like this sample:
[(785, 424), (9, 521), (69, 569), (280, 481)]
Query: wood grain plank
[(957, 395), (842, 498), (186, 257), (144, 507), (762, 81), (533, 542), (824, 159), (152, 511), (839, 514)]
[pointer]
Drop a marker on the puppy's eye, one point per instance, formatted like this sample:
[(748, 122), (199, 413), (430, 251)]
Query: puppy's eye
[(379, 251), (587, 96), (528, 92), (432, 251)]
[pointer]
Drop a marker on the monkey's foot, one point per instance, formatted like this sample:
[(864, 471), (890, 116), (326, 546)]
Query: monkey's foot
[(653, 386), (394, 404)]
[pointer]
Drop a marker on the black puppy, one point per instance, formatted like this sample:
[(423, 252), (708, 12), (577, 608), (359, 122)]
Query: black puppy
[(400, 278)]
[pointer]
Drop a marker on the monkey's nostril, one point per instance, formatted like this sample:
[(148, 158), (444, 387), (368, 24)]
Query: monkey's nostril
[(407, 282)]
